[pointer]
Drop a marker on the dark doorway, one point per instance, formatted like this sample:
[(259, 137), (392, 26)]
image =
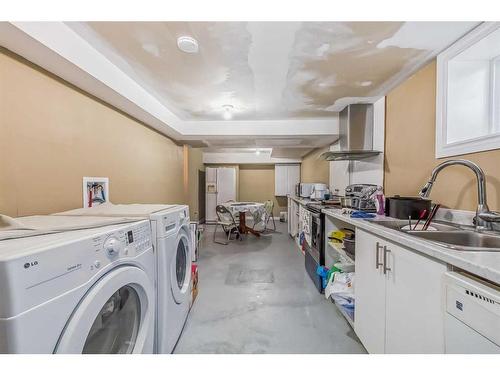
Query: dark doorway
[(201, 196)]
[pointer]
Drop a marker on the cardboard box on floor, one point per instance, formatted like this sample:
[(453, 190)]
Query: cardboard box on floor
[(194, 283)]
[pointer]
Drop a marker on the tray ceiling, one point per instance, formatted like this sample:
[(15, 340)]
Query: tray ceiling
[(268, 70)]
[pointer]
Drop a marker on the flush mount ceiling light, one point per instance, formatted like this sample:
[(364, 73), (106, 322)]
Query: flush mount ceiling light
[(228, 111), (257, 152), (364, 83), (187, 44)]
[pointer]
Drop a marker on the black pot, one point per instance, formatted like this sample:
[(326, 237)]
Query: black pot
[(404, 207)]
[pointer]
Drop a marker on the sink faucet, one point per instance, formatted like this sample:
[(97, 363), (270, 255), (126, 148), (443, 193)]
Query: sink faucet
[(484, 217)]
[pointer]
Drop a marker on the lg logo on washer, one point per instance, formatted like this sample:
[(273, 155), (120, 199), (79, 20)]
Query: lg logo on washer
[(30, 264)]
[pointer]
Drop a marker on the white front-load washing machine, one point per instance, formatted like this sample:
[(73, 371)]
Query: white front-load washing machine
[(78, 291), (172, 232), (172, 245)]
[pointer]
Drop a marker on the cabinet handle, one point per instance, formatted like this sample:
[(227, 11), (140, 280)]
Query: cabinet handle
[(386, 250), (378, 247)]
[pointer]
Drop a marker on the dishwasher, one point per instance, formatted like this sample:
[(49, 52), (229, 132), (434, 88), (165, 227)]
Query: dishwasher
[(472, 319)]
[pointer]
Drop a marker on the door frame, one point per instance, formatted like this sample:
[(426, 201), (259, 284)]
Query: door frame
[(201, 196)]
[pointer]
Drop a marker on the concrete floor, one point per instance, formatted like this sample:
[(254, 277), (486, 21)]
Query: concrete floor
[(255, 297)]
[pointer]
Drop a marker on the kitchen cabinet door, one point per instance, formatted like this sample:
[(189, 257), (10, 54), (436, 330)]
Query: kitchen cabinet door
[(293, 178), (414, 302), (295, 229), (280, 180), (294, 219), (290, 213), (369, 291)]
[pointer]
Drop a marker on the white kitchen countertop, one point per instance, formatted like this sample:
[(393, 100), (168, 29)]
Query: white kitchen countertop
[(483, 264), (299, 200)]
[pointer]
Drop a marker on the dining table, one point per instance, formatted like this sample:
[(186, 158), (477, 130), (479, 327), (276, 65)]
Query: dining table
[(256, 209)]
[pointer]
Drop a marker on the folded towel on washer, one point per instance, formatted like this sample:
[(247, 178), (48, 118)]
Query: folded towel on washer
[(27, 226), (9, 223), (117, 210)]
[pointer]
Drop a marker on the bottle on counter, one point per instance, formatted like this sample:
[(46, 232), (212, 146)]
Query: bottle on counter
[(379, 201)]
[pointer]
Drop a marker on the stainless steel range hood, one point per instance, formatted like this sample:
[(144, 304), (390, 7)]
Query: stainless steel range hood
[(356, 134)]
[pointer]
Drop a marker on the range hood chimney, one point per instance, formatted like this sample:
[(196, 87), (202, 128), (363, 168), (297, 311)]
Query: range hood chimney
[(356, 134)]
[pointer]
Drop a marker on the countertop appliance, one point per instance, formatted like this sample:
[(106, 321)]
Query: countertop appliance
[(79, 291), (355, 134), (318, 191), (361, 196), (315, 250), (171, 237), (303, 190), (404, 207), (472, 322)]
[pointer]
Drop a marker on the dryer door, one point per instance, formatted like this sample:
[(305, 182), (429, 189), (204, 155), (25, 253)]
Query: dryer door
[(180, 268), (115, 316)]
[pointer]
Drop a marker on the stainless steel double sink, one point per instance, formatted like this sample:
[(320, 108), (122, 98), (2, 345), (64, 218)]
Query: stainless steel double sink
[(449, 235)]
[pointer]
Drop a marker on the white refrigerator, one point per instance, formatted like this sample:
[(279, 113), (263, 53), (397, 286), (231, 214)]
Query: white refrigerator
[(220, 188)]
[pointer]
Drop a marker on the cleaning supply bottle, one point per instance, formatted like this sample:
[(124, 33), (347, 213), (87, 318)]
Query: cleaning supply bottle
[(379, 201)]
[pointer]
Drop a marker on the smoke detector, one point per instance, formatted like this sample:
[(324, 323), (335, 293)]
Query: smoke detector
[(228, 111), (187, 44)]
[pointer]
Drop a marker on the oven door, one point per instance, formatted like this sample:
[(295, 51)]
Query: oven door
[(313, 257), (311, 265), (316, 236)]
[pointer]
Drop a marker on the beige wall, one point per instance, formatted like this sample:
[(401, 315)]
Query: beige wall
[(257, 185), (195, 164), (51, 135), (314, 168), (410, 149)]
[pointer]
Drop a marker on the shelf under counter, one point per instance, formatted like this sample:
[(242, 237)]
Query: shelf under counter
[(343, 257), (344, 313)]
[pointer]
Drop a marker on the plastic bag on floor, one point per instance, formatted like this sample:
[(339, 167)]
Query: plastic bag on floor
[(340, 284), (322, 272), (345, 303)]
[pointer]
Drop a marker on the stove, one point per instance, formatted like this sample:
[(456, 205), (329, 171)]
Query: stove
[(321, 205), (315, 251)]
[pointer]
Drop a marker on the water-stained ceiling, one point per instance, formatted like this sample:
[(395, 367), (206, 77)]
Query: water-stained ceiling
[(268, 70)]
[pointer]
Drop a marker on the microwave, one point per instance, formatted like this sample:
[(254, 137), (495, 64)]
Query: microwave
[(304, 190)]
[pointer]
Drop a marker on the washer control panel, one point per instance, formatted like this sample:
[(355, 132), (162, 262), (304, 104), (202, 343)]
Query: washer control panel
[(172, 221), (139, 238), (112, 246), (71, 261), (123, 243)]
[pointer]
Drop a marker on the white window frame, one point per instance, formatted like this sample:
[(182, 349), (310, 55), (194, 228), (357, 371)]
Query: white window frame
[(483, 143)]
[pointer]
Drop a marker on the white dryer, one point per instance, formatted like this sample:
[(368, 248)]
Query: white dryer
[(172, 232), (80, 291), (172, 244)]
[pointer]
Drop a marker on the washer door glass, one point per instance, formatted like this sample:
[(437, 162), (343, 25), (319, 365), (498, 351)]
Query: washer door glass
[(116, 326), (181, 264), (180, 268)]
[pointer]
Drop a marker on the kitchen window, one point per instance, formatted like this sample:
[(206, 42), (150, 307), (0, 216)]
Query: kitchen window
[(468, 93)]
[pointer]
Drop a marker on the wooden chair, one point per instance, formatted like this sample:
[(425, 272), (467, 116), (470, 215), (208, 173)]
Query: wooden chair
[(226, 220)]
